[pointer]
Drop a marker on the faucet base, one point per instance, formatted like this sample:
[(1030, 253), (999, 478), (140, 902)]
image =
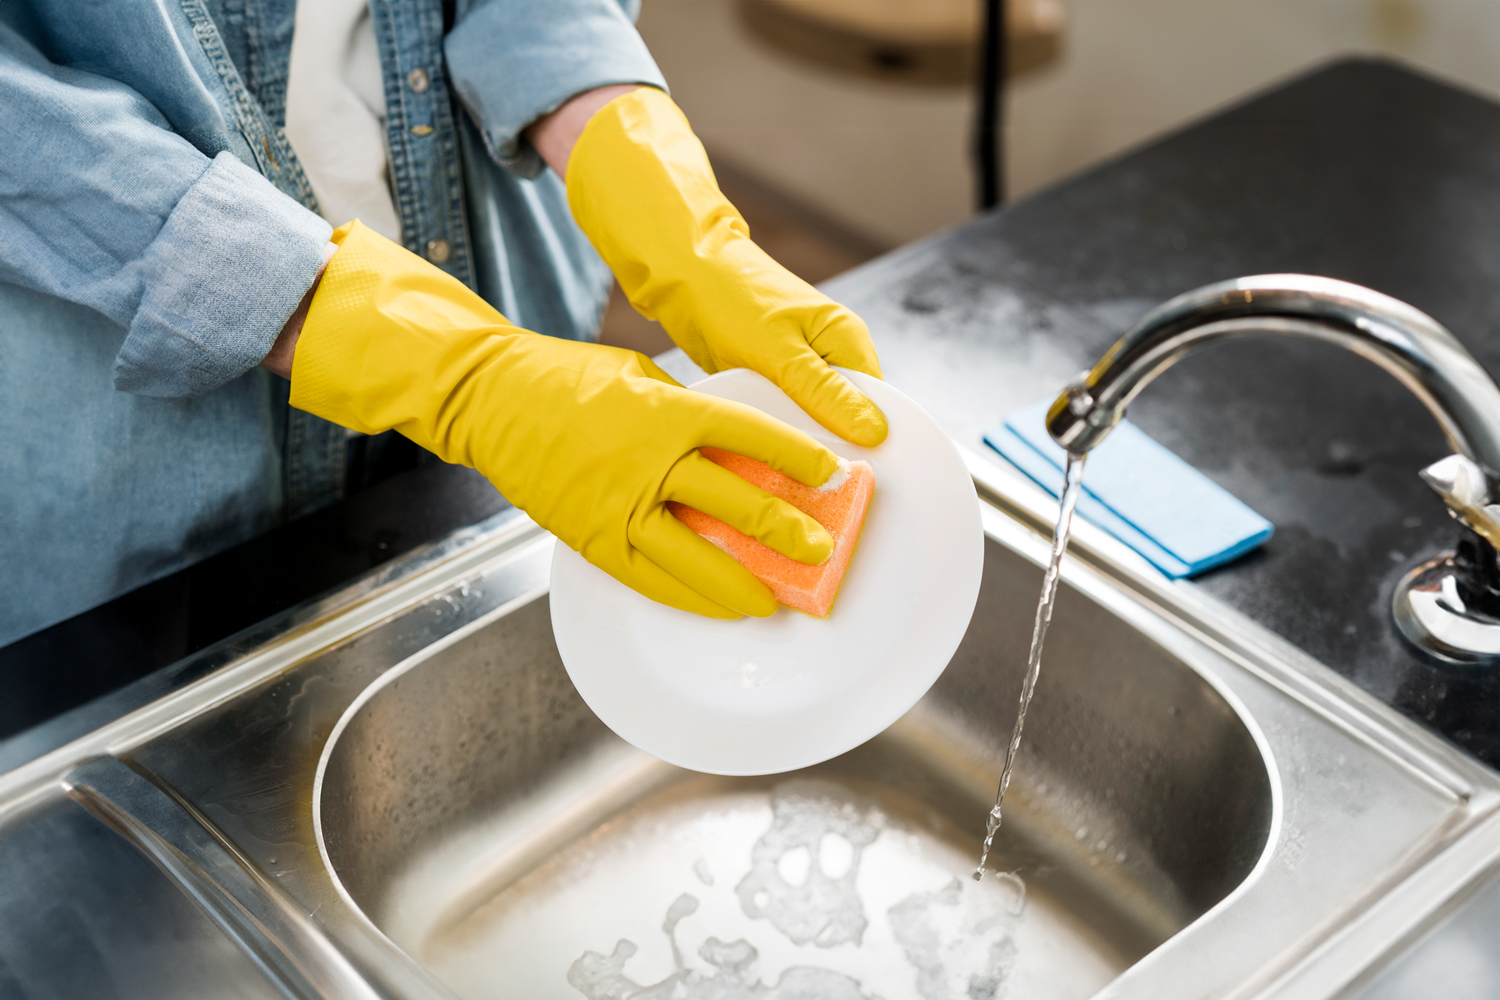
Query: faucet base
[(1432, 615)]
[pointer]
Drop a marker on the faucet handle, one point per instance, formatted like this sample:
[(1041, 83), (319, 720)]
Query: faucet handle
[(1445, 607), (1465, 489)]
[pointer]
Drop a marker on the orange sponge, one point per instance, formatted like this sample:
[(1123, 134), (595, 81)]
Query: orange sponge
[(839, 506)]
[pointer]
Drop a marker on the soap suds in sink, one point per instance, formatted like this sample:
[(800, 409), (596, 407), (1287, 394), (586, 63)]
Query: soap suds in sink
[(820, 907), (798, 890), (602, 977), (803, 881)]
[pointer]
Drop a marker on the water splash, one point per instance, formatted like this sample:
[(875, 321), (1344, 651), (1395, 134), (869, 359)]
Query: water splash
[(1072, 486), (803, 869)]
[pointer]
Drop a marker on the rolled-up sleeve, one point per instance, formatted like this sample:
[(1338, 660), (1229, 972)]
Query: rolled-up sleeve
[(513, 61), (200, 260)]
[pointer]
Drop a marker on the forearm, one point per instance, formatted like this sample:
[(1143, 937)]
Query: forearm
[(553, 53), (555, 135), (279, 360)]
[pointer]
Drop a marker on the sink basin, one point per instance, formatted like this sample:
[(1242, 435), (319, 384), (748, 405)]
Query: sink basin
[(396, 794), (484, 819)]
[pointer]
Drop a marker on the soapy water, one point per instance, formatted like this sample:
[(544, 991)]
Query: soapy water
[(958, 940), (795, 880), (949, 938), (602, 977), (1072, 487)]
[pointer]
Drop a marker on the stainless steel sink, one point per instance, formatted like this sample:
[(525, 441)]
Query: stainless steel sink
[(397, 793), (482, 816), (83, 914)]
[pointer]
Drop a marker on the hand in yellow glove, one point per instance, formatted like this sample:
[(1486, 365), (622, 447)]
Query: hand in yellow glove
[(641, 187), (590, 441)]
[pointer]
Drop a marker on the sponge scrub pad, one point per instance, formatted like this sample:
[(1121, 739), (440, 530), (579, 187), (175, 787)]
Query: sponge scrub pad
[(839, 505)]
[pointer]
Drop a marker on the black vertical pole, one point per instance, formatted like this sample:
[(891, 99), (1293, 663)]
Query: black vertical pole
[(989, 130)]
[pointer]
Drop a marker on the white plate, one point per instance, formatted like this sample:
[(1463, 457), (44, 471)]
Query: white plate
[(762, 695)]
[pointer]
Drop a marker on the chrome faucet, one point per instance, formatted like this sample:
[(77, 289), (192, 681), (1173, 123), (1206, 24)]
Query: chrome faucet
[(1449, 608)]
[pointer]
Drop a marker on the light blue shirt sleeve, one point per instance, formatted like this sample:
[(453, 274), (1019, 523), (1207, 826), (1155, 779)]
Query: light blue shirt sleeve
[(200, 260), (552, 50)]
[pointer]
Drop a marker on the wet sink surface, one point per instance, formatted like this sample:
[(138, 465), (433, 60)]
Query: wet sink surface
[(809, 887), (476, 810)]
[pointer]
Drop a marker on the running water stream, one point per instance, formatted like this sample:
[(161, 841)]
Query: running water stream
[(1072, 484)]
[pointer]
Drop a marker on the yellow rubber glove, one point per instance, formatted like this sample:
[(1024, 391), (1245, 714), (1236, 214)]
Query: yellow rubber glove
[(640, 185), (590, 441)]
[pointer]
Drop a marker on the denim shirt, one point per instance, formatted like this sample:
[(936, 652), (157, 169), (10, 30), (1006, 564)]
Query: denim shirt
[(156, 232)]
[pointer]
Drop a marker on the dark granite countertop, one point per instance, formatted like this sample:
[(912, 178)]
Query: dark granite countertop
[(1362, 171)]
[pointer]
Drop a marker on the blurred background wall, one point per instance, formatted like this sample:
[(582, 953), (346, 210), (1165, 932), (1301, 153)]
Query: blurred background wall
[(890, 160)]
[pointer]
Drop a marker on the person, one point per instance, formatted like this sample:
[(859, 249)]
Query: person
[(163, 259)]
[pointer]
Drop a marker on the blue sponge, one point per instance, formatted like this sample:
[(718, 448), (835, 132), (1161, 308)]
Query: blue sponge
[(1138, 491)]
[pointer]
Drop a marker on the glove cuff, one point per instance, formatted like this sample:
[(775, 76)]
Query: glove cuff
[(388, 340), (641, 187)]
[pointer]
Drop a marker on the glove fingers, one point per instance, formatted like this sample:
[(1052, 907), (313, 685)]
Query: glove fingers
[(699, 564), (832, 400), (845, 341), (716, 491), (755, 434), (650, 580)]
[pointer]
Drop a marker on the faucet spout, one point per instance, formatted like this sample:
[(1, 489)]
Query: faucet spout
[(1404, 341)]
